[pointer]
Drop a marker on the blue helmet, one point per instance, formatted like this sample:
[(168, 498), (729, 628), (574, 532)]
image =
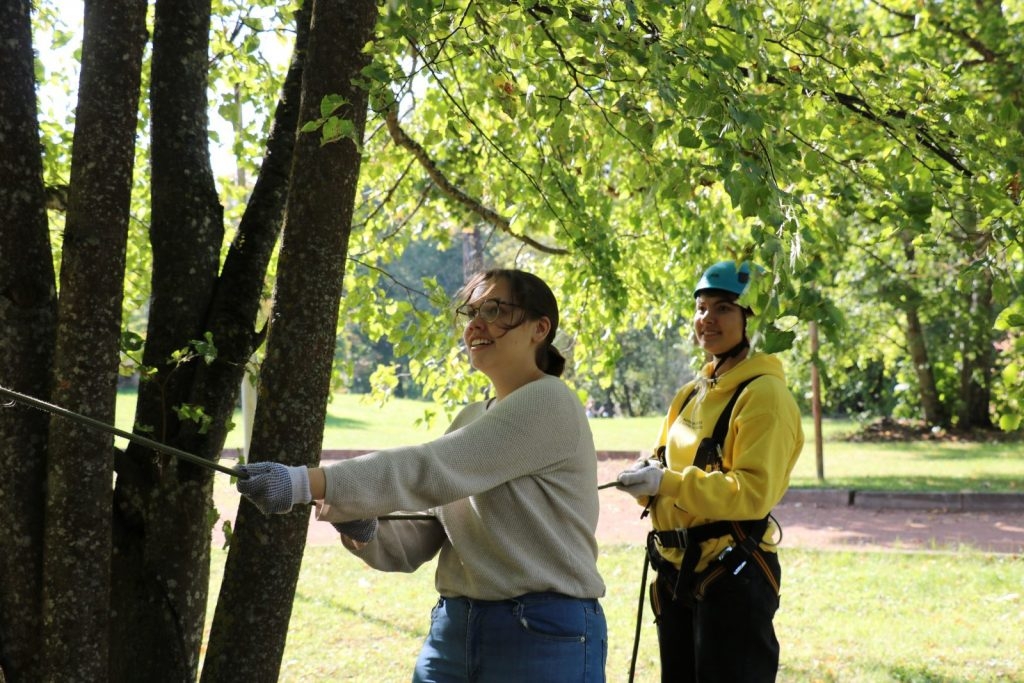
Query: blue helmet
[(726, 277)]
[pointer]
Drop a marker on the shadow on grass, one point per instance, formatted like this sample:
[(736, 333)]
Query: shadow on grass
[(832, 671), (335, 422), (362, 615), (927, 450), (924, 674), (790, 671)]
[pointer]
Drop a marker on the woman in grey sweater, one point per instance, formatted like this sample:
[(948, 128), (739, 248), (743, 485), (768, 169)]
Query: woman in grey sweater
[(511, 496)]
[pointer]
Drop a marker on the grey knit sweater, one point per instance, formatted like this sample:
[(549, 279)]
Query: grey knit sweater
[(514, 490)]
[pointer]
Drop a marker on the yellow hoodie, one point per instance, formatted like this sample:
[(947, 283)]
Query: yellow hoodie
[(761, 447)]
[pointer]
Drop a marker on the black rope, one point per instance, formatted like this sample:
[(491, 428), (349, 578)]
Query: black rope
[(104, 427)]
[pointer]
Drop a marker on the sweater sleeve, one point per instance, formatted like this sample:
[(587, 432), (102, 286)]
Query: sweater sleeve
[(526, 433), (402, 546)]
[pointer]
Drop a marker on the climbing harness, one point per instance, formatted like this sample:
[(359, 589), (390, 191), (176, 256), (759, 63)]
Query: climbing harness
[(747, 534)]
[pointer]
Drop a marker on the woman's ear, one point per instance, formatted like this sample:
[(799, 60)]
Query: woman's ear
[(541, 327)]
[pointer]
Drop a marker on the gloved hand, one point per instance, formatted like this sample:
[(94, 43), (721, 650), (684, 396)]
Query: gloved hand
[(360, 530), (641, 481), (274, 488), (642, 463)]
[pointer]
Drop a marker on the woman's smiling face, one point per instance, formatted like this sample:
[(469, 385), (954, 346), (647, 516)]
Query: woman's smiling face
[(718, 322), (493, 333)]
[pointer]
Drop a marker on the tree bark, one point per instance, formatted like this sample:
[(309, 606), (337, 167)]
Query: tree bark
[(28, 302), (930, 404), (249, 632), (163, 509), (76, 569), (160, 521)]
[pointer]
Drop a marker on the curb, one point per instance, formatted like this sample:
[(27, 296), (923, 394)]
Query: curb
[(889, 500)]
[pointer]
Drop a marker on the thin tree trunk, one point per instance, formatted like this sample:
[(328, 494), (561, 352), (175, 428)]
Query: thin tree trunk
[(931, 406), (248, 636), (76, 569), (152, 522), (162, 504), (28, 302), (977, 356)]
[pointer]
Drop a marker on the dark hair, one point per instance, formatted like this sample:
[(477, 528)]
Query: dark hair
[(536, 299)]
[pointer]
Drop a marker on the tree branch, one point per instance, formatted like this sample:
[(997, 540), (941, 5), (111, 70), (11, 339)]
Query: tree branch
[(450, 190)]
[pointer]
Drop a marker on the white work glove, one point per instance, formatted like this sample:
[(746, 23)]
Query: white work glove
[(641, 480), (274, 488)]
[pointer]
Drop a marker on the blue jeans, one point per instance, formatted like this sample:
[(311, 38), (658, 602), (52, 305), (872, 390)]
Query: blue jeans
[(535, 637)]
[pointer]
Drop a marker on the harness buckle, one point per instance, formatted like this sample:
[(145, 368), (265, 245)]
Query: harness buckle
[(672, 538)]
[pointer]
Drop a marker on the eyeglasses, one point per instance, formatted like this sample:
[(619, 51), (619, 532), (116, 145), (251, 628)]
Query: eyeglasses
[(489, 310)]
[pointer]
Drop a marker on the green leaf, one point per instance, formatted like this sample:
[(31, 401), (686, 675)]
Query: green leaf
[(330, 104), (776, 340), (336, 128), (688, 138), (131, 341)]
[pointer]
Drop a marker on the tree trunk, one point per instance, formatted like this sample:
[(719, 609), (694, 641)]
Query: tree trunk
[(28, 302), (249, 632), (162, 522), (472, 252), (977, 348), (977, 353), (76, 569), (931, 406)]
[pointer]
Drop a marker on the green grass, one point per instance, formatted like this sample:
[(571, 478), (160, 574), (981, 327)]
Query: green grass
[(353, 422), (915, 466), (864, 616)]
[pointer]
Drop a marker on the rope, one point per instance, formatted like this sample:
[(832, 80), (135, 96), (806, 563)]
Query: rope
[(110, 429)]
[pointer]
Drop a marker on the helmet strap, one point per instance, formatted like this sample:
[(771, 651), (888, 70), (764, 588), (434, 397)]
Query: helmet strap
[(731, 353)]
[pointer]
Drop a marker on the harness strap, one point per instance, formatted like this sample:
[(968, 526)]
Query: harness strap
[(722, 426), (639, 618), (747, 534)]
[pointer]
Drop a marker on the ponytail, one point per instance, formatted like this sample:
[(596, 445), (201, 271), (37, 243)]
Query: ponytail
[(551, 360)]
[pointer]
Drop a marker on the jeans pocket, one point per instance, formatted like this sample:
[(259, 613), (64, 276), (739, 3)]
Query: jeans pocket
[(560, 620)]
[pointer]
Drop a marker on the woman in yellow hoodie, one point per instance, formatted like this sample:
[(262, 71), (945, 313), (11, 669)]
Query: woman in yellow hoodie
[(722, 462)]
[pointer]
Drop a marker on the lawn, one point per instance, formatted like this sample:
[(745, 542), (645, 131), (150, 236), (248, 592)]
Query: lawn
[(866, 617)]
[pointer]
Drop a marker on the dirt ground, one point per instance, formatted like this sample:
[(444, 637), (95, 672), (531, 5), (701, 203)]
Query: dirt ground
[(807, 526)]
